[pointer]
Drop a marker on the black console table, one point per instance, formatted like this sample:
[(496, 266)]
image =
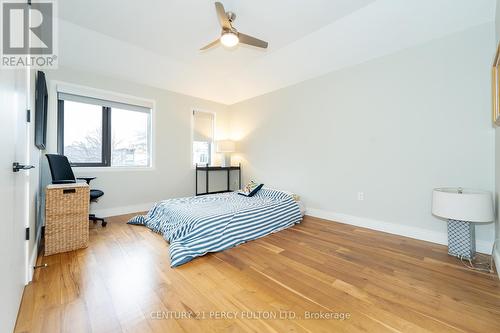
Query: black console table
[(207, 168)]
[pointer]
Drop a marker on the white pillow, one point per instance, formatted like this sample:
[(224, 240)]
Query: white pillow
[(295, 197)]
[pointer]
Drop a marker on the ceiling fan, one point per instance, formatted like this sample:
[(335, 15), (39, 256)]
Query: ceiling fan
[(230, 36)]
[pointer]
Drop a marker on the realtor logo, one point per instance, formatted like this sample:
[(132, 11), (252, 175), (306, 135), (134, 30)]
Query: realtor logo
[(28, 34)]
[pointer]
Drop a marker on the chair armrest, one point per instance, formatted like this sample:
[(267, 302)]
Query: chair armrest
[(87, 179)]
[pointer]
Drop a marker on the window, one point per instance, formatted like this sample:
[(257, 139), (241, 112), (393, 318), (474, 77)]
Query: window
[(83, 132), (203, 137), (95, 132)]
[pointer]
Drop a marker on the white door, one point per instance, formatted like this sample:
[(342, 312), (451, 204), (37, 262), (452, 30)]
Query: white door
[(13, 193)]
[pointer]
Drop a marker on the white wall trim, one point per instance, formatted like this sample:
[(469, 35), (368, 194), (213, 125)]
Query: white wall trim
[(82, 170), (32, 262), (496, 258), (114, 211), (392, 228)]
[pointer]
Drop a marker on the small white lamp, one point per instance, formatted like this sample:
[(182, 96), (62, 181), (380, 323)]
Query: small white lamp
[(226, 147), (462, 207)]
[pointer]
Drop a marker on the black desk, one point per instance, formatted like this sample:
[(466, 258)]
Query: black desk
[(207, 169)]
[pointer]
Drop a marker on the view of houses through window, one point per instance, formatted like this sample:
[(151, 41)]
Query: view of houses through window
[(201, 152), (129, 138), (95, 135), (83, 132)]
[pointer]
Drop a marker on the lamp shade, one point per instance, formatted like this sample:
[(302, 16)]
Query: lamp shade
[(226, 146), (463, 204)]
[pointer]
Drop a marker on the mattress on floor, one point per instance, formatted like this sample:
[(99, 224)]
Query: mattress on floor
[(198, 225)]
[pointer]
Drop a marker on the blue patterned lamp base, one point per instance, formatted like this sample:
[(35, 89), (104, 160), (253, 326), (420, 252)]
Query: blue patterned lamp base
[(461, 239)]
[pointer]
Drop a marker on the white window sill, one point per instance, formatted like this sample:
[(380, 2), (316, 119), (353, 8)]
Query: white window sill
[(82, 170)]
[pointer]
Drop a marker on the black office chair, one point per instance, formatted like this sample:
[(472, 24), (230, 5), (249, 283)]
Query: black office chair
[(62, 173)]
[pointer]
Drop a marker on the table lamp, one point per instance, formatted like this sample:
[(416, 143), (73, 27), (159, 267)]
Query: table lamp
[(226, 147), (462, 208)]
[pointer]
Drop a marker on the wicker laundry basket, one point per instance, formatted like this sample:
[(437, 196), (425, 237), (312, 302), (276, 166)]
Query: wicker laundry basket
[(66, 217)]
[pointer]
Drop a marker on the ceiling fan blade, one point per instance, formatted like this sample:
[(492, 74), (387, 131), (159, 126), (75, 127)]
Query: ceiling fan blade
[(221, 13), (215, 42), (245, 39)]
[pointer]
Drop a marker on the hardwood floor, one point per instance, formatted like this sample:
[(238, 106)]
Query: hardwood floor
[(289, 281)]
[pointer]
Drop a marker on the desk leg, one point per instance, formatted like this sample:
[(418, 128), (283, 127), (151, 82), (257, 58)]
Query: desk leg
[(206, 181)]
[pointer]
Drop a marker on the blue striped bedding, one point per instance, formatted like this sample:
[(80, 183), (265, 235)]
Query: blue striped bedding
[(195, 226)]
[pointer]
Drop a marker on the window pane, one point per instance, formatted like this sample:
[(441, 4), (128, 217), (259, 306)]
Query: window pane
[(82, 132), (203, 136), (201, 152), (129, 138)]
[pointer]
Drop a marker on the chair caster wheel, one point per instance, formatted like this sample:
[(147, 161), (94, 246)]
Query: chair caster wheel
[(104, 223)]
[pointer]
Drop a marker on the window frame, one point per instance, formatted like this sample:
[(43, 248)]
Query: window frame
[(106, 149), (214, 135)]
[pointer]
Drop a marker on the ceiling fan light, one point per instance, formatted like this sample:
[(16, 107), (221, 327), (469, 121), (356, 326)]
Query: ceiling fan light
[(229, 39)]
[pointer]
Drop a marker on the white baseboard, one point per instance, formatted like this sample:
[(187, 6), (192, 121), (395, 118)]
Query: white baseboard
[(392, 228), (496, 258), (32, 262), (106, 212)]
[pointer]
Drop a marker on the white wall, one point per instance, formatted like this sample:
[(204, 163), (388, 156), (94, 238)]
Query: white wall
[(172, 176), (393, 128)]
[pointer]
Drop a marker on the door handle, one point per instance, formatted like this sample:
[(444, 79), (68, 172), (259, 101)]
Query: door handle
[(16, 167)]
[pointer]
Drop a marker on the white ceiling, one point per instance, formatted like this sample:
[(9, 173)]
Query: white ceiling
[(156, 42)]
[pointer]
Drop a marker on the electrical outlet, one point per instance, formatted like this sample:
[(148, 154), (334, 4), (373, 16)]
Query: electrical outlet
[(361, 196)]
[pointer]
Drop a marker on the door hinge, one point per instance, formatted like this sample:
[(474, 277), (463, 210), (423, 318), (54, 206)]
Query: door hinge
[(28, 116), (27, 233)]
